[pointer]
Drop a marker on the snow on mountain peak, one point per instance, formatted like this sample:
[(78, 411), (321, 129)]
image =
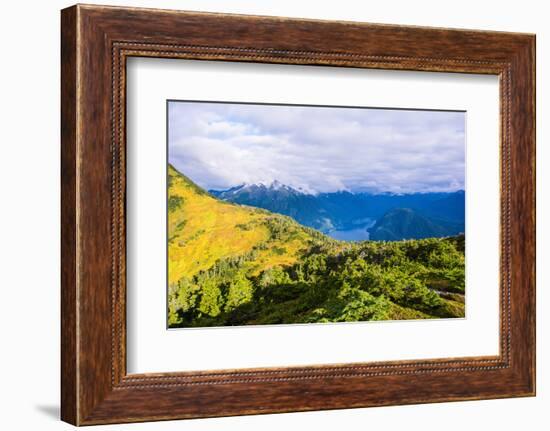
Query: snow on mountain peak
[(273, 185)]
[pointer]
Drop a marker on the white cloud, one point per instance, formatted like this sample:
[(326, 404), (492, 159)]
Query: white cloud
[(318, 149)]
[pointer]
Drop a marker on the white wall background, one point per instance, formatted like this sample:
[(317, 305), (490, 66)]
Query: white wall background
[(29, 216)]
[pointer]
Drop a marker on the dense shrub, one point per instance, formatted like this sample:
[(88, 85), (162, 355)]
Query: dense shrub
[(332, 282)]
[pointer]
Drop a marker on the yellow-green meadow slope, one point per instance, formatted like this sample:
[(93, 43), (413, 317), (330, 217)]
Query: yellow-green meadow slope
[(203, 229)]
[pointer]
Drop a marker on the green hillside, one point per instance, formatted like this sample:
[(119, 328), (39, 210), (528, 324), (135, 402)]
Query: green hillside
[(232, 264)]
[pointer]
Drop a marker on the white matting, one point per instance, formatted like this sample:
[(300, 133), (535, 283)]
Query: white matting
[(153, 348)]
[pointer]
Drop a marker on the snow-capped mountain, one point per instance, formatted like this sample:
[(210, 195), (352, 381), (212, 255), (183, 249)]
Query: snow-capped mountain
[(277, 197), (254, 188), (344, 210)]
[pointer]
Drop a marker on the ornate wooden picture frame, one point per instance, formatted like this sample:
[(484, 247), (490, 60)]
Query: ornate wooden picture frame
[(96, 41)]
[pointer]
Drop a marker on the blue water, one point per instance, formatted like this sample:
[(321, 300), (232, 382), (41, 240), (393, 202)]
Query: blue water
[(359, 234)]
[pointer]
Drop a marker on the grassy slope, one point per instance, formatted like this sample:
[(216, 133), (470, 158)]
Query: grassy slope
[(203, 229)]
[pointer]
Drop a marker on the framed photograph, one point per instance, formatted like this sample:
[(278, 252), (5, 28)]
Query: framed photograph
[(263, 214)]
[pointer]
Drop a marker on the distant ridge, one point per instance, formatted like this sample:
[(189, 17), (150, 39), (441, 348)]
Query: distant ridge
[(405, 223)]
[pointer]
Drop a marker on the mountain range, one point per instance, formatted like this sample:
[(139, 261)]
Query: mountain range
[(358, 216)]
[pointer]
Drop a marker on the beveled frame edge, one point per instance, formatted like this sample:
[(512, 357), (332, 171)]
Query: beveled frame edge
[(96, 41)]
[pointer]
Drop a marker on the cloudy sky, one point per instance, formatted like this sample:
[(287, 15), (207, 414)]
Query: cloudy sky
[(317, 149)]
